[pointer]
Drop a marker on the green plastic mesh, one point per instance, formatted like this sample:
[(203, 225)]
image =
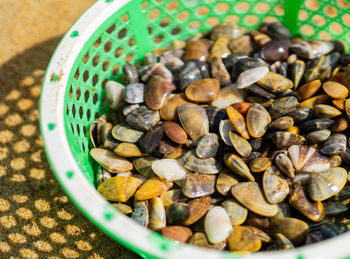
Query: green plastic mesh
[(142, 26)]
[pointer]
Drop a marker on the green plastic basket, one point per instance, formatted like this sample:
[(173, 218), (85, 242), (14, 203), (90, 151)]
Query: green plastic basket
[(94, 51)]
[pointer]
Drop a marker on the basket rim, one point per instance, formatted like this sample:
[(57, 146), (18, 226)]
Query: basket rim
[(69, 175)]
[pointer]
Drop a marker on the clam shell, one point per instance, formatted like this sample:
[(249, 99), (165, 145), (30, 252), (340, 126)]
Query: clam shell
[(227, 96), (333, 208), (319, 99), (219, 71), (142, 118), (150, 58), (242, 107), (335, 90), (217, 225), (225, 182), (177, 233), (334, 145), (157, 92), (308, 90), (236, 212), (172, 196), (215, 116), (197, 49), (312, 210), (198, 185), (275, 83), (114, 94), (129, 108), (175, 154), (242, 239), (275, 50), (177, 213), (282, 106), (208, 146), (307, 159), (284, 139), (200, 239), (283, 211), (143, 166), (275, 30), (330, 230), (130, 74), (318, 136), (335, 161), (311, 49), (169, 170), (128, 150), (258, 120), (282, 123), (317, 124), (151, 139), (119, 188), (227, 31), (251, 76), (205, 90), (157, 69), (204, 166), (326, 111), (285, 165), (265, 238), (341, 124), (141, 213), (282, 242), (258, 221), (197, 209), (300, 114), (110, 161), (194, 120), (134, 93), (167, 146), (347, 107), (244, 192), (297, 72), (123, 208), (326, 184), (188, 74), (259, 91), (260, 164), (175, 132), (275, 188), (260, 38), (152, 188), (157, 217), (169, 110), (102, 175), (237, 165), (225, 127), (125, 133), (294, 229), (242, 44), (241, 145), (237, 121)]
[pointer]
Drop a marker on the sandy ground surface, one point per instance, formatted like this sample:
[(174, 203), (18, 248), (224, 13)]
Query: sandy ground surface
[(36, 218)]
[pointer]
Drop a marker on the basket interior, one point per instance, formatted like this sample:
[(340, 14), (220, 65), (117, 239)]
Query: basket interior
[(144, 25)]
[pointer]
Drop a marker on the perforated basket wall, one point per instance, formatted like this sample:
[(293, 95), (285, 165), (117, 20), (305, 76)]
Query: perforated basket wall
[(142, 26)]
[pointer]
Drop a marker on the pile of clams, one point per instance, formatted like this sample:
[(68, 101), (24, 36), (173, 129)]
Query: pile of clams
[(234, 140)]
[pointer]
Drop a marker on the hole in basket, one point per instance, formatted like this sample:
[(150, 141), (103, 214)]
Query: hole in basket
[(111, 29), (312, 5), (262, 7), (97, 115), (323, 35), (78, 93), (131, 41), (194, 24), (95, 80), (104, 83), (129, 57), (72, 127), (85, 76), (173, 5), (183, 15), (202, 10), (222, 7), (96, 60), (303, 15), (212, 21), (88, 114), (97, 43), (144, 5), (95, 99), (330, 11), (252, 19), (176, 30), (81, 112), (118, 52), (270, 19), (73, 110), (86, 95), (122, 33), (232, 19), (78, 129), (242, 7), (67, 110), (279, 10), (115, 70), (108, 46), (307, 30), (77, 74), (346, 19), (336, 28), (83, 146), (158, 38), (105, 65), (343, 4), (85, 58), (150, 29), (125, 17), (70, 93), (165, 22), (153, 14), (318, 20)]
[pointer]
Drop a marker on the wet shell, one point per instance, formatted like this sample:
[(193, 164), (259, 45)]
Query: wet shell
[(208, 146), (175, 132), (335, 90), (169, 170), (157, 217), (326, 111), (152, 188), (307, 159), (242, 239), (205, 90), (265, 238), (339, 104), (188, 74), (200, 239), (204, 166), (241, 145), (298, 69), (236, 212), (251, 76), (227, 31), (172, 196), (102, 175), (275, 30), (242, 107), (123, 208), (119, 188), (198, 185), (177, 233), (318, 136), (110, 161), (275, 188), (319, 99), (157, 69), (275, 50), (177, 213), (308, 90), (143, 118), (237, 121), (225, 127), (198, 49), (285, 165), (217, 225), (227, 96), (194, 120), (244, 192), (130, 74), (175, 154), (219, 71), (225, 182), (134, 93), (259, 91), (123, 132), (341, 123), (258, 120), (335, 161), (141, 213), (197, 209), (219, 49), (275, 83), (260, 164), (143, 166), (114, 94), (128, 150), (258, 221), (282, 123), (129, 108), (284, 139), (151, 139), (237, 165), (242, 44), (157, 92), (282, 106), (327, 183), (282, 242), (215, 116), (169, 110), (313, 210), (311, 49), (334, 145), (294, 229), (317, 124)]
